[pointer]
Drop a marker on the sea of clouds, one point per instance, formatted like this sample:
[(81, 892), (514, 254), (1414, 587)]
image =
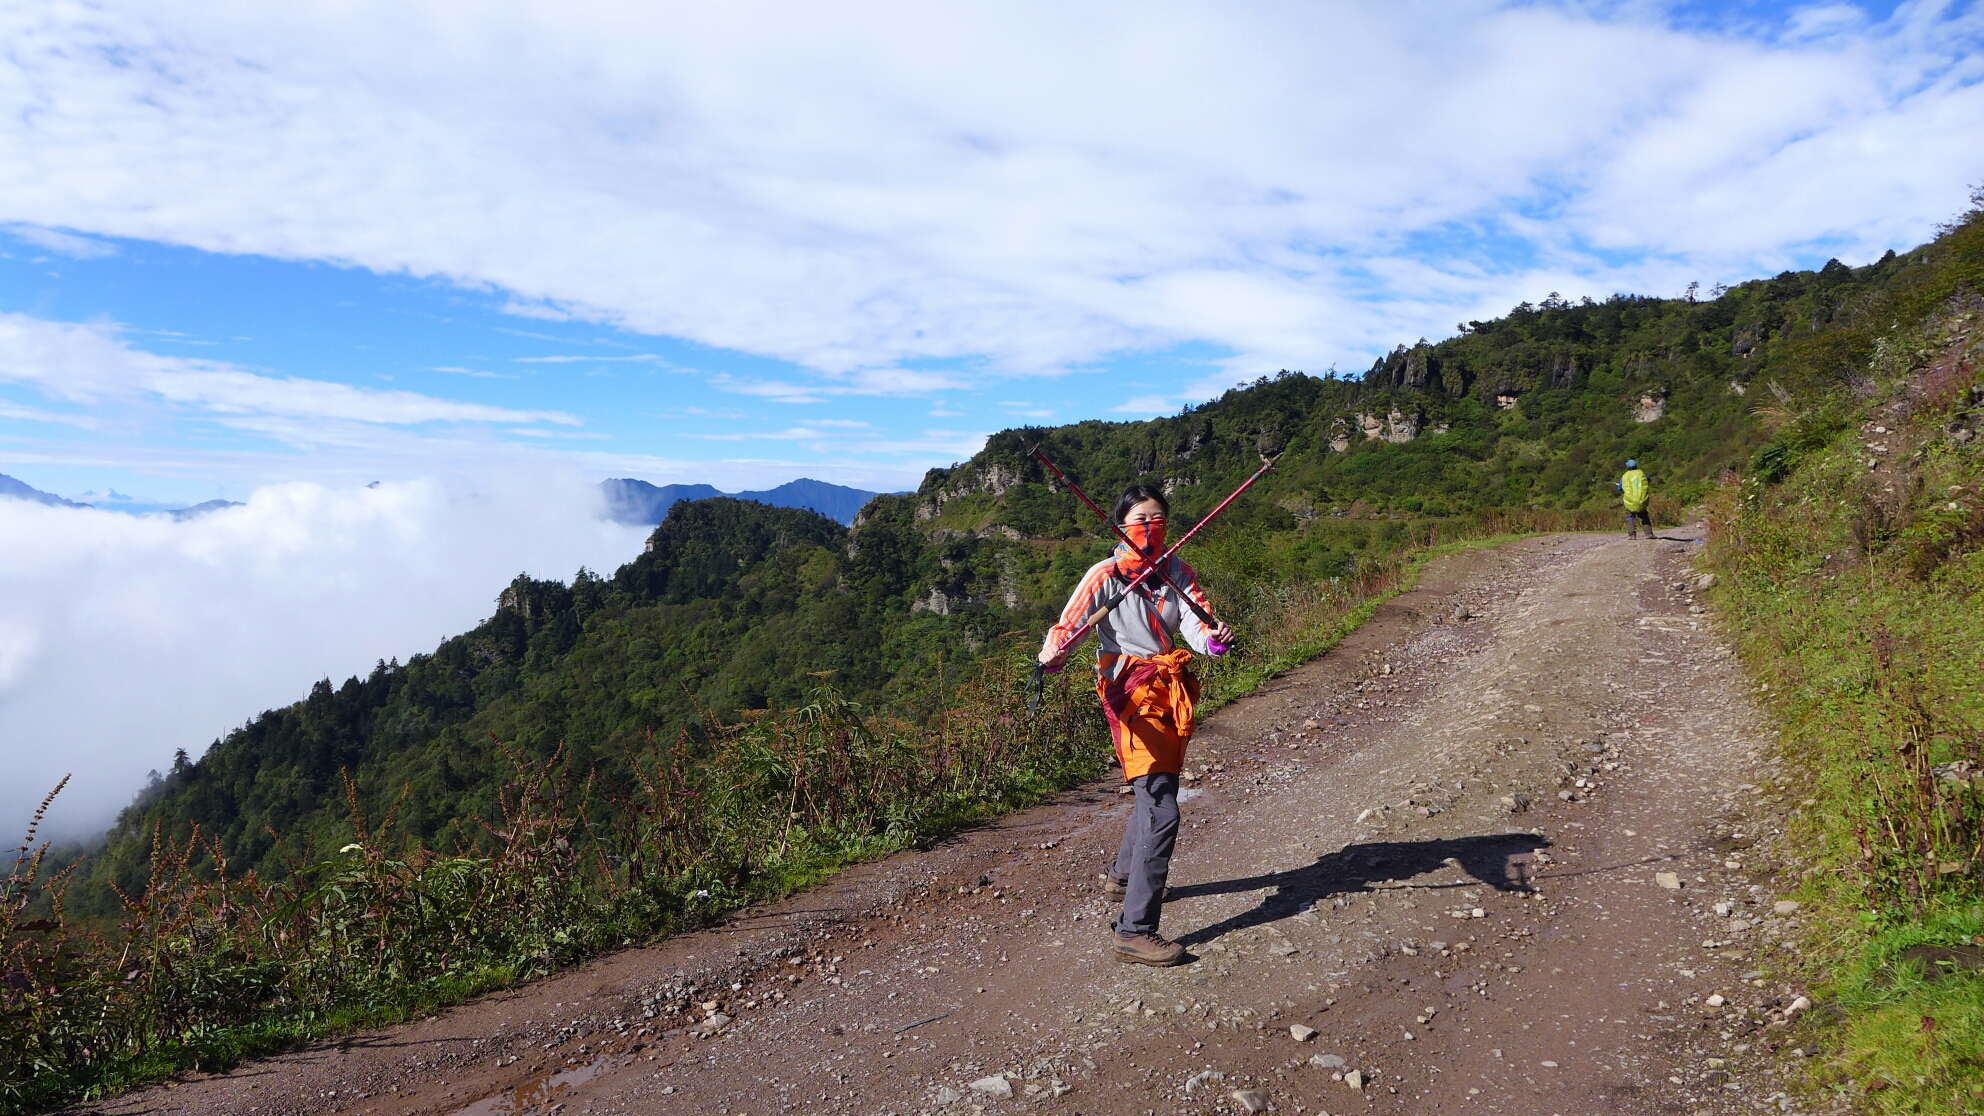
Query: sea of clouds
[(127, 637)]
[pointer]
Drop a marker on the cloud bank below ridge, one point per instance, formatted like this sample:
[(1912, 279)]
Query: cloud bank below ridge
[(128, 637)]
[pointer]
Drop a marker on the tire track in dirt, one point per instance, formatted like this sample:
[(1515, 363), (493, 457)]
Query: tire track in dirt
[(1437, 847)]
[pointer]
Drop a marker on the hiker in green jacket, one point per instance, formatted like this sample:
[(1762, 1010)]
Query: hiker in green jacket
[(1634, 489)]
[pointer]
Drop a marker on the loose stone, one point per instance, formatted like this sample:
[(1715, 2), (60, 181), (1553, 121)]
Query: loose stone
[(994, 1086)]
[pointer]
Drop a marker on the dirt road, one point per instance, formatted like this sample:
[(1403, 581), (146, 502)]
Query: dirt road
[(1448, 847)]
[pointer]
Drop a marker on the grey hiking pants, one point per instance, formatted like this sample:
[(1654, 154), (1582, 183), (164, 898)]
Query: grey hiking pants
[(1635, 518), (1144, 862)]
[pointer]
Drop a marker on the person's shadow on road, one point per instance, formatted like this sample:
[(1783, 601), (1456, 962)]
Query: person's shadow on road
[(1489, 860)]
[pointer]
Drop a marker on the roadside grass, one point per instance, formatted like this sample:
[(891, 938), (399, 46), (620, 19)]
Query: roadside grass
[(1851, 574), (1914, 1026)]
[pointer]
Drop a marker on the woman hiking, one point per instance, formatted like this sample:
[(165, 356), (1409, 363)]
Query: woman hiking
[(1147, 693)]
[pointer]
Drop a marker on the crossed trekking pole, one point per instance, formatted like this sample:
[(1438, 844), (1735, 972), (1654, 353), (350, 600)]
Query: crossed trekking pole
[(1037, 684)]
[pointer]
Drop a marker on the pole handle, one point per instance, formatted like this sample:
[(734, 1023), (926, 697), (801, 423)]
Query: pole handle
[(1036, 687)]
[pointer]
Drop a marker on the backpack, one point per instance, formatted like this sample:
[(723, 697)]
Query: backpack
[(1634, 486)]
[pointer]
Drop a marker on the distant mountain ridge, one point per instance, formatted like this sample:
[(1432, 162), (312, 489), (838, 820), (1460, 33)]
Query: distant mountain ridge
[(11, 487), (638, 503), (203, 508)]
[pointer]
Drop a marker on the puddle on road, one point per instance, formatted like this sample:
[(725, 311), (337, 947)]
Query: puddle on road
[(539, 1093)]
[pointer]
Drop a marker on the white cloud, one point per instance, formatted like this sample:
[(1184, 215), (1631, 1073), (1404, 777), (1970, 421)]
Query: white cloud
[(1026, 186), (646, 358), (867, 381), (36, 414), (813, 431), (778, 391), (67, 244), (18, 641), (86, 363), (125, 638)]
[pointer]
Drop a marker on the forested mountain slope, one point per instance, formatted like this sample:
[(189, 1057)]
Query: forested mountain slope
[(736, 606)]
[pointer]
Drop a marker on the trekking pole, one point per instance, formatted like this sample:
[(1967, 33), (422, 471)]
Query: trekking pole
[(1190, 601), (1038, 683)]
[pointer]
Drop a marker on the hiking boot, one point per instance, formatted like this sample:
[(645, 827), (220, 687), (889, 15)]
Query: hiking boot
[(1117, 889), (1147, 949)]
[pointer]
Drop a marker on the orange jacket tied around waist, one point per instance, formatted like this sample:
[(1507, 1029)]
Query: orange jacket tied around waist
[(1149, 707)]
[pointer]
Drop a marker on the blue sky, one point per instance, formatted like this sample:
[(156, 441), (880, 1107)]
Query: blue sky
[(486, 256)]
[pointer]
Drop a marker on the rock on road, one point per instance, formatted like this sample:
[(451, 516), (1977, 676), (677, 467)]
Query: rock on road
[(1489, 855)]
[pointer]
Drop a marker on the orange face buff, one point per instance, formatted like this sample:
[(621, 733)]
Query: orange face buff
[(1146, 537)]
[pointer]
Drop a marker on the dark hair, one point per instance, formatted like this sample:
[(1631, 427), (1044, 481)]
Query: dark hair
[(1137, 494)]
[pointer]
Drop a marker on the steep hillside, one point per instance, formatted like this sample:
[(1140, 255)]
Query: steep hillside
[(736, 606), (1851, 562)]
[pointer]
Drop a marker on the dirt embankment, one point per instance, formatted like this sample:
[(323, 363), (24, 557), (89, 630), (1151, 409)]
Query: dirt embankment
[(1434, 871)]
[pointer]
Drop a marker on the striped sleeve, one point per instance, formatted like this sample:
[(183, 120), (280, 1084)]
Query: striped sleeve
[(1196, 635), (1080, 603)]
